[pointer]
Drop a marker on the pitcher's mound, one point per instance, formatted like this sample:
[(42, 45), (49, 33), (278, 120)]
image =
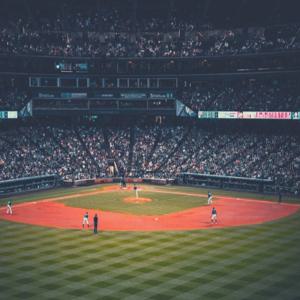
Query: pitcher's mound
[(134, 200)]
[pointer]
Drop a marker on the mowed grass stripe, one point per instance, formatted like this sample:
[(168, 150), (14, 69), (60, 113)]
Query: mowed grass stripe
[(35, 196), (169, 276), (250, 262)]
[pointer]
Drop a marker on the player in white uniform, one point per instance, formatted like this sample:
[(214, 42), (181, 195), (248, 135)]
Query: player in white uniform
[(209, 198), (9, 208), (136, 191), (85, 220)]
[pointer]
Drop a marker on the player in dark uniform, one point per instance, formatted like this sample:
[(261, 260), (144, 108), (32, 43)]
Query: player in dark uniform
[(214, 216), (135, 188), (95, 223), (123, 183)]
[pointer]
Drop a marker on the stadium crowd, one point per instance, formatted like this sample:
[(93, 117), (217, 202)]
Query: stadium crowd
[(275, 94), (109, 34), (281, 94), (13, 94), (83, 152), (13, 99)]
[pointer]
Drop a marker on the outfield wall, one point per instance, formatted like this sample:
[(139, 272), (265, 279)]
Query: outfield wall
[(29, 184)]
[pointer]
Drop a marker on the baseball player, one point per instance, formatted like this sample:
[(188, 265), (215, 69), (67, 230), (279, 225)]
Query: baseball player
[(9, 208), (136, 190), (85, 220), (209, 198), (96, 223), (214, 216)]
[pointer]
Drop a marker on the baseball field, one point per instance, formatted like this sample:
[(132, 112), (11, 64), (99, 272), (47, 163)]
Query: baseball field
[(159, 245)]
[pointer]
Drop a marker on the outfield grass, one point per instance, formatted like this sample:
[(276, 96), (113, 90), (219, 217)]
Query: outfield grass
[(235, 194), (34, 196), (160, 204), (250, 262)]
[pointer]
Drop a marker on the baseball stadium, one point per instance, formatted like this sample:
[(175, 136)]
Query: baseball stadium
[(150, 149)]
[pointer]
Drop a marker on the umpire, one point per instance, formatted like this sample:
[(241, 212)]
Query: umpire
[(95, 223)]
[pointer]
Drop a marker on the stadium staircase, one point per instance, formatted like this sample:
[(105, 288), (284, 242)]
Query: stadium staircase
[(203, 141), (50, 133), (13, 146), (131, 144), (212, 100), (148, 159), (43, 150), (106, 142), (74, 161), (87, 150), (266, 155), (220, 148), (201, 145), (108, 150), (165, 161), (238, 155)]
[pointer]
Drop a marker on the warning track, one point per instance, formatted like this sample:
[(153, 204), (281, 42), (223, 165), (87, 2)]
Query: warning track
[(231, 212)]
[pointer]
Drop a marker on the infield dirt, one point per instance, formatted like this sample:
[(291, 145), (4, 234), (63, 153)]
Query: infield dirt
[(231, 212)]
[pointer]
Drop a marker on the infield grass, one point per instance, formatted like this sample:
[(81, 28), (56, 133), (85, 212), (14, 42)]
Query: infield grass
[(160, 204), (33, 196)]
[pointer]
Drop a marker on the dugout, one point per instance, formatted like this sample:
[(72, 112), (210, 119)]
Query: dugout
[(29, 184), (226, 182)]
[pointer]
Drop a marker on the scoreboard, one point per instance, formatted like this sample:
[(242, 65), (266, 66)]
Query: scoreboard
[(69, 67), (247, 115), (8, 114)]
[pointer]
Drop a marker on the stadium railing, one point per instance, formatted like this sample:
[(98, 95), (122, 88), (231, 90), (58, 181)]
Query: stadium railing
[(226, 182), (28, 184)]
